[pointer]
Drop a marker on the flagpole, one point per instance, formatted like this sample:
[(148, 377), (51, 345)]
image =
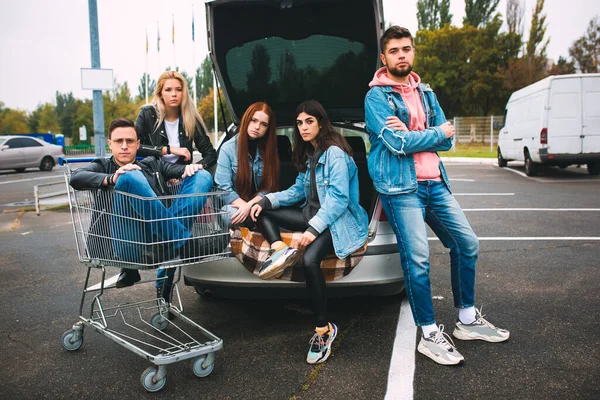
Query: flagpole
[(146, 69), (194, 61), (173, 40), (158, 48)]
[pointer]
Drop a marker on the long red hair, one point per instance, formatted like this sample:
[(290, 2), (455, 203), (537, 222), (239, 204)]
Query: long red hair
[(267, 146)]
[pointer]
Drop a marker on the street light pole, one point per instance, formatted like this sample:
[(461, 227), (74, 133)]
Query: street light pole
[(97, 94)]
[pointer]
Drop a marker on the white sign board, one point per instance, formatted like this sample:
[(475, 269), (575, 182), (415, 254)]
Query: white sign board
[(96, 79), (82, 133)]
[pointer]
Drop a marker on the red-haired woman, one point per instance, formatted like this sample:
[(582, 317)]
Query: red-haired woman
[(248, 164)]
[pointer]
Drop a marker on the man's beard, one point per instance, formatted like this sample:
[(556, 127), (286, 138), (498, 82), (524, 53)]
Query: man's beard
[(400, 73)]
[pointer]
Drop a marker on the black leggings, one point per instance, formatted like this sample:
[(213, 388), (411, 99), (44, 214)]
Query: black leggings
[(269, 223)]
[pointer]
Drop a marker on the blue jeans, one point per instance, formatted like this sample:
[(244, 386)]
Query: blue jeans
[(407, 214), (131, 227)]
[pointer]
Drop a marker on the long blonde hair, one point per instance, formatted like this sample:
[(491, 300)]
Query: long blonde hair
[(187, 111)]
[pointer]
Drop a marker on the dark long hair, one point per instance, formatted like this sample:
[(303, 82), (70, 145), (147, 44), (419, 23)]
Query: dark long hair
[(267, 146), (327, 136)]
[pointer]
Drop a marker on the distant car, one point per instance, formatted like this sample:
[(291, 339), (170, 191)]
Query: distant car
[(21, 152), (327, 51)]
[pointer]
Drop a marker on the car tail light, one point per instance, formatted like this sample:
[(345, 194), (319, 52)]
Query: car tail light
[(544, 136)]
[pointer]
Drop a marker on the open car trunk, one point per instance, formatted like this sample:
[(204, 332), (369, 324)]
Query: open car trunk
[(284, 52)]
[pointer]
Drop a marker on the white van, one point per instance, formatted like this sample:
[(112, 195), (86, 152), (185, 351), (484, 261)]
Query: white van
[(555, 121)]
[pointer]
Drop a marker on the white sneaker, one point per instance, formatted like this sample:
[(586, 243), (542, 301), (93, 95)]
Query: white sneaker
[(440, 348)]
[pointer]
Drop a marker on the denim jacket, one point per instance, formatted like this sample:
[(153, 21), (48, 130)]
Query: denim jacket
[(391, 164), (227, 167), (337, 187)]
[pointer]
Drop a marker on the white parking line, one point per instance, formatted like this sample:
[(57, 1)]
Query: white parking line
[(531, 209), (483, 194), (31, 179), (516, 172), (402, 364), (523, 238), (462, 180)]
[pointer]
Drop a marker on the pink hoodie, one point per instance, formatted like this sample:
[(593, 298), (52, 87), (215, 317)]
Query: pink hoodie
[(427, 164)]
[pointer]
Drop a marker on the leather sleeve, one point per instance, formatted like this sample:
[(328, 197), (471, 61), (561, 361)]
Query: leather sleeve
[(145, 124), (90, 176), (204, 146)]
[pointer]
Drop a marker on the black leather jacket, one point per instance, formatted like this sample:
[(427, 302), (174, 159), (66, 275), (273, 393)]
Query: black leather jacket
[(156, 171), (152, 140)]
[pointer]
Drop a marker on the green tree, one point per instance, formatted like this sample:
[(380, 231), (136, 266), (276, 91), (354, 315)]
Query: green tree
[(34, 118), (142, 88), (536, 47), (48, 119), (84, 116), (433, 14), (204, 78), (118, 103), (562, 67), (585, 51), (13, 121), (462, 65), (65, 112), (479, 12), (207, 111)]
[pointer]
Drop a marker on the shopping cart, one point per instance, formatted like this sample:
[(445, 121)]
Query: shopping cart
[(117, 229)]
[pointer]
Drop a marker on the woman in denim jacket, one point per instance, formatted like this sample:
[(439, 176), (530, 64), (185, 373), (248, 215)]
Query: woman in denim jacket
[(247, 182), (323, 203)]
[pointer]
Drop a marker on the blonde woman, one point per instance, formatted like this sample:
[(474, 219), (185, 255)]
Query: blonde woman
[(167, 127), (170, 124)]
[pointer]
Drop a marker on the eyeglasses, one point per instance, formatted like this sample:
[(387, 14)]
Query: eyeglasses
[(129, 142)]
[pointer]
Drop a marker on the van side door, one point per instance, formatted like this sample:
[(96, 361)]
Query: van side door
[(564, 117), (590, 114)]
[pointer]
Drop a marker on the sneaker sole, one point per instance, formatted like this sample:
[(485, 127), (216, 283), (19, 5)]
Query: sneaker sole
[(462, 335), (426, 352), (328, 353), (278, 270)]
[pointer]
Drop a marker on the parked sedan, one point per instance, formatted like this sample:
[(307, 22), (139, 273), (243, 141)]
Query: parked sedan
[(21, 152), (284, 53)]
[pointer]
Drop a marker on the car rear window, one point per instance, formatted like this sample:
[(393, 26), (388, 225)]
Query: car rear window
[(287, 71)]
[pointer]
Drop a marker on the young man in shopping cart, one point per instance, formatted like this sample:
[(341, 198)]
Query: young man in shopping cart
[(137, 221)]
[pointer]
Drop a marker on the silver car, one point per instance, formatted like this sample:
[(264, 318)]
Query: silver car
[(284, 53), (21, 152)]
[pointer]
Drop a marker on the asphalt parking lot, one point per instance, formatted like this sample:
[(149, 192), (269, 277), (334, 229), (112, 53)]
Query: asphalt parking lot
[(538, 277)]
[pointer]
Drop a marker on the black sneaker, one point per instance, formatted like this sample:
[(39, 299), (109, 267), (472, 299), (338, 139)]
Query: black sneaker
[(127, 277)]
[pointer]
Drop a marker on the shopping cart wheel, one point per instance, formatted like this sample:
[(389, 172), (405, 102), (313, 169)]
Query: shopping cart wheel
[(72, 340), (203, 365), (159, 321), (149, 382)]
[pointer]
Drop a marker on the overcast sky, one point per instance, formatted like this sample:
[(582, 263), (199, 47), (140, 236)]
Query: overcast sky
[(44, 44)]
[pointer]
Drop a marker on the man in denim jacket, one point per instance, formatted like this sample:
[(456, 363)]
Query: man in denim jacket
[(407, 127)]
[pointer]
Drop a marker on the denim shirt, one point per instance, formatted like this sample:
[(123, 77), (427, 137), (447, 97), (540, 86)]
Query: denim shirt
[(227, 167), (391, 162), (337, 188)]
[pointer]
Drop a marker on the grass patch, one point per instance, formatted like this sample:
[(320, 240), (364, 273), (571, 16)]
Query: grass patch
[(475, 150)]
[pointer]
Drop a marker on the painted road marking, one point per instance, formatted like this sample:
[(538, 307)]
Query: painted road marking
[(483, 194), (31, 179), (402, 365), (531, 209), (517, 238), (462, 180)]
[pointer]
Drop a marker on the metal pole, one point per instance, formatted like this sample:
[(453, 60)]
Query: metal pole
[(97, 94), (215, 108), (454, 122), (492, 134)]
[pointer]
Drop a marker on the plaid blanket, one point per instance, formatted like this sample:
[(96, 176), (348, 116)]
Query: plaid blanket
[(251, 249)]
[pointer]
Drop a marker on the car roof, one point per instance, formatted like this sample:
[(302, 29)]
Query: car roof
[(285, 52)]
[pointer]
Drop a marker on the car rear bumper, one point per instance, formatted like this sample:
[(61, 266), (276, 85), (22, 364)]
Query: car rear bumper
[(374, 275), (568, 159)]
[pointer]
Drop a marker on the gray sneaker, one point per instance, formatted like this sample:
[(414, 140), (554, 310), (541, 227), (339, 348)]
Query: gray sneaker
[(440, 348), (481, 329), (276, 264)]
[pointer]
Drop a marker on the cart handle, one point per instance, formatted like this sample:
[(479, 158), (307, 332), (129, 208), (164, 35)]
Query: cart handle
[(65, 160)]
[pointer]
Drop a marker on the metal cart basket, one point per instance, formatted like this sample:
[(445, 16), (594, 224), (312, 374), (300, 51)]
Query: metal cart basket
[(117, 229)]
